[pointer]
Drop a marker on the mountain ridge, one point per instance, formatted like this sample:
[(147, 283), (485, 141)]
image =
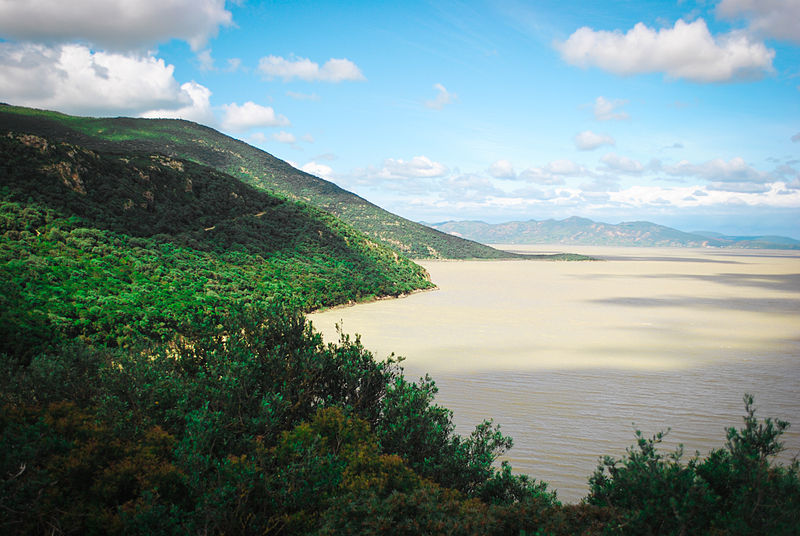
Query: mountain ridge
[(583, 231), (186, 140)]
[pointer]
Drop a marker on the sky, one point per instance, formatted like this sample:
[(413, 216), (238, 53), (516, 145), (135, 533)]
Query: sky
[(684, 113)]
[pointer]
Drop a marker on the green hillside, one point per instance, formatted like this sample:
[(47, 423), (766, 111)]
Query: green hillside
[(110, 248), (203, 145)]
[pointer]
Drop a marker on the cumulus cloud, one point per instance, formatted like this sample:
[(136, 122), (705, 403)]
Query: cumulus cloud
[(469, 187), (234, 64), (302, 96), (397, 169), (284, 137), (600, 184), (113, 24), (334, 70), (554, 172), (74, 79), (622, 164), (607, 110), (250, 115), (796, 137), (735, 170), (687, 50), (197, 110), (205, 61), (731, 176), (502, 169), (443, 98), (317, 169), (779, 19), (563, 167), (419, 166), (588, 140)]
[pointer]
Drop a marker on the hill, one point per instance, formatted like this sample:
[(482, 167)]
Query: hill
[(112, 248), (190, 141), (759, 242), (582, 231)]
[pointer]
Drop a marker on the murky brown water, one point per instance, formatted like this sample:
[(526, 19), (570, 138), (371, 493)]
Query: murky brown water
[(567, 355)]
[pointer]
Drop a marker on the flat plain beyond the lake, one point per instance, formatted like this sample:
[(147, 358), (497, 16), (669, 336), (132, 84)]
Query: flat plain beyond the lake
[(571, 357)]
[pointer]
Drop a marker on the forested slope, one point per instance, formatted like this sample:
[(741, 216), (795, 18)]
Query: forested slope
[(110, 247), (203, 145)]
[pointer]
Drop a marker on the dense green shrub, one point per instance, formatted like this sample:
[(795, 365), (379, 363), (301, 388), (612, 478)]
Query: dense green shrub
[(259, 426), (735, 490)]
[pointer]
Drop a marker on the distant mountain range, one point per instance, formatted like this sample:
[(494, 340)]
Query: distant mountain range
[(582, 231)]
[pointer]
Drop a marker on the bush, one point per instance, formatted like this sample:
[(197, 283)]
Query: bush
[(735, 490)]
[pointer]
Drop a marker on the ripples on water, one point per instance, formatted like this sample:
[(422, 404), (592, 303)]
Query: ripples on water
[(570, 358), (564, 421)]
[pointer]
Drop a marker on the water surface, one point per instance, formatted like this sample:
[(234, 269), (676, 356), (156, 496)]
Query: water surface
[(567, 356)]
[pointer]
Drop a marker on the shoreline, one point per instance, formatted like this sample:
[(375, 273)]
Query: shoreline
[(372, 300)]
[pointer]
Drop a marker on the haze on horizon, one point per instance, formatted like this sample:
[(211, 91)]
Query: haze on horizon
[(683, 113)]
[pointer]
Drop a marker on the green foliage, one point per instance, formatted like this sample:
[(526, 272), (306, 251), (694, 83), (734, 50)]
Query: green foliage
[(189, 141), (260, 428), (754, 495), (735, 490), (113, 249)]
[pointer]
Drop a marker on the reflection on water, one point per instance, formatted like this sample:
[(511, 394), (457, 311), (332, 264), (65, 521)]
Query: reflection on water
[(567, 356)]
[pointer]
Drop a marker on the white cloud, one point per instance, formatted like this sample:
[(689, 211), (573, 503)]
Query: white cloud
[(250, 115), (796, 137), (732, 176), (302, 96), (622, 164), (443, 98), (563, 167), (600, 184), (334, 70), (73, 79), (113, 24), (469, 187), (319, 170), (554, 172), (198, 109), (768, 18), (419, 167), (284, 137), (233, 65), (688, 50), (588, 140), (718, 170), (259, 138), (307, 138), (607, 110), (205, 61), (502, 169)]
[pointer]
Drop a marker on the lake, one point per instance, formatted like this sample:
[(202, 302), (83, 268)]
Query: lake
[(571, 357)]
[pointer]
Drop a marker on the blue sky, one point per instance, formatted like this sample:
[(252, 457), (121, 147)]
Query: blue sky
[(684, 113)]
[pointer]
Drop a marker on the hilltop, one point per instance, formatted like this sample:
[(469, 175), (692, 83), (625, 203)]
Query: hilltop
[(582, 231), (203, 145)]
